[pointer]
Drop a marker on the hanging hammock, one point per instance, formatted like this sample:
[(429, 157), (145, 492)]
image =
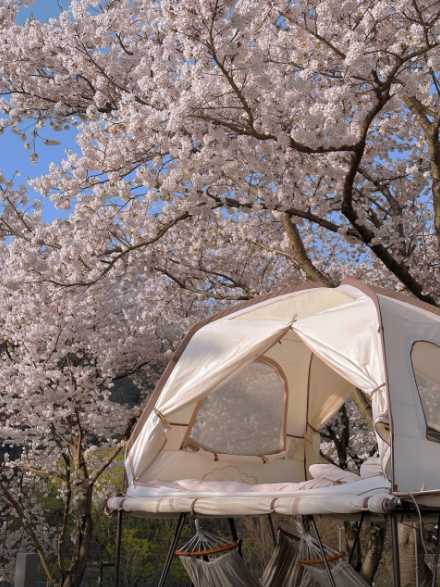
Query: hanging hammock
[(297, 562), (283, 560), (211, 562), (343, 574)]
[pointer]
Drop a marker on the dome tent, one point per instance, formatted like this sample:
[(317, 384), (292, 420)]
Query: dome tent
[(232, 428), (246, 393)]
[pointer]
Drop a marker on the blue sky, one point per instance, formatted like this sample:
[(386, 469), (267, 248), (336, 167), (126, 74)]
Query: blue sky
[(41, 9), (14, 157)]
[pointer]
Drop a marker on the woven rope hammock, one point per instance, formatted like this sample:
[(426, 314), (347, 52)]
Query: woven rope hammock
[(212, 562), (282, 563), (297, 562)]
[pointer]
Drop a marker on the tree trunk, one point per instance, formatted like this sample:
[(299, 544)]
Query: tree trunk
[(407, 550), (81, 550), (299, 253), (373, 552), (423, 571)]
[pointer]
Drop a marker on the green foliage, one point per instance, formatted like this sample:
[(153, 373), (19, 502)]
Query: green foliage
[(143, 550)]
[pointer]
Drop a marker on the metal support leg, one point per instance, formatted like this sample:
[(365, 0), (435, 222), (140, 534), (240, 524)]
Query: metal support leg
[(357, 538), (272, 529), (323, 556), (119, 521), (437, 554), (395, 546), (171, 551), (234, 535), (103, 566)]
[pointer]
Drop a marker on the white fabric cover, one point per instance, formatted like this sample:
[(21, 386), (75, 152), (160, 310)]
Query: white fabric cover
[(370, 468), (217, 348), (347, 338), (239, 499), (332, 473), (383, 504), (220, 488)]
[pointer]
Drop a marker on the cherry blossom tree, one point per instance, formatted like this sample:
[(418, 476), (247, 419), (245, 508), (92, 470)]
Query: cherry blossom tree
[(63, 354), (224, 147), (207, 121)]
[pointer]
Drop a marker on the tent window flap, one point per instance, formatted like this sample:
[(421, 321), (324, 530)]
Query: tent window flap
[(425, 358), (245, 416)]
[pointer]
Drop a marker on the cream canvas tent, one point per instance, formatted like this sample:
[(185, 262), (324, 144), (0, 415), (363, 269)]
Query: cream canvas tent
[(247, 392), (232, 428)]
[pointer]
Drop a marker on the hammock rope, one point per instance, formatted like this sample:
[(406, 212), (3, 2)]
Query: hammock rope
[(204, 543), (210, 561)]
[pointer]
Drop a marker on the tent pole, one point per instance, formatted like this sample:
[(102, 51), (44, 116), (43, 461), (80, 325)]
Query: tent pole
[(119, 521), (171, 550), (234, 535), (272, 529), (395, 547), (323, 556)]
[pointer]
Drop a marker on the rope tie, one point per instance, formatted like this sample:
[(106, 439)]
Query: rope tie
[(162, 418), (377, 388), (294, 319), (286, 330)]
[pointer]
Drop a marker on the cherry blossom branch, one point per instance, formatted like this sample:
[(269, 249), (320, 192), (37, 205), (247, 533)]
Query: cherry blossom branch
[(314, 34), (400, 270), (199, 291), (299, 252), (431, 126), (120, 254)]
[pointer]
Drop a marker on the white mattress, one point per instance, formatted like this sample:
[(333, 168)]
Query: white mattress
[(225, 498)]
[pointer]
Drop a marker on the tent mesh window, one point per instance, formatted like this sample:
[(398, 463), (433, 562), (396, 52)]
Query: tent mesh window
[(245, 415), (425, 357)]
